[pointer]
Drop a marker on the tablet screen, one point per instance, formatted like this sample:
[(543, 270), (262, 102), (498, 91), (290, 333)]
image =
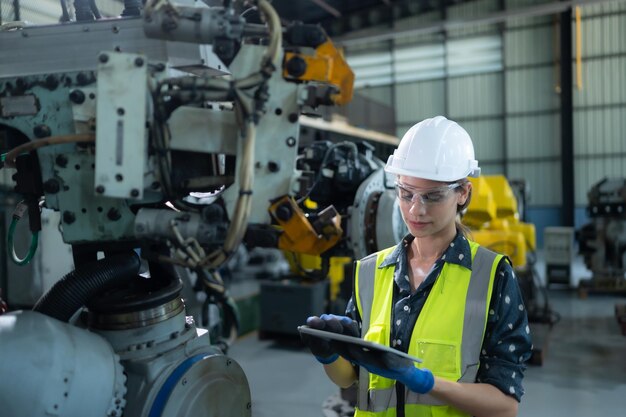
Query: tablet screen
[(363, 344)]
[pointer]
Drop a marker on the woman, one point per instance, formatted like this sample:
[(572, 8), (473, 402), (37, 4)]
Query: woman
[(436, 295)]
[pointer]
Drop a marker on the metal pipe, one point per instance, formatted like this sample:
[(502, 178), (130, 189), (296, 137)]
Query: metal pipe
[(132, 8), (579, 49), (192, 24), (567, 120), (83, 10), (16, 9), (505, 121), (255, 29), (327, 7)]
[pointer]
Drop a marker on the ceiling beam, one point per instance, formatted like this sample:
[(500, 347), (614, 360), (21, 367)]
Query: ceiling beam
[(551, 8), (330, 9)]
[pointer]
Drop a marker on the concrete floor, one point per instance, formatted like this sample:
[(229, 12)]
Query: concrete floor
[(583, 372)]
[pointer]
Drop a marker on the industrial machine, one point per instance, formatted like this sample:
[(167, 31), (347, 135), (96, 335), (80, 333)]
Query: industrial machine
[(558, 249), (362, 217), (164, 139), (602, 242), (494, 220)]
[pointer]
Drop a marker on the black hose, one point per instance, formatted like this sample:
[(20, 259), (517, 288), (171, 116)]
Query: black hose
[(76, 288), (94, 9), (82, 9), (65, 16), (132, 8)]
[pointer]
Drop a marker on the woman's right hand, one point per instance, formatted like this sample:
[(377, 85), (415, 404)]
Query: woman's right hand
[(321, 348)]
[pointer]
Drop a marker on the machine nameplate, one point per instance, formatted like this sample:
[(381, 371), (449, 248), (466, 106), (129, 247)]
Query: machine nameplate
[(18, 106)]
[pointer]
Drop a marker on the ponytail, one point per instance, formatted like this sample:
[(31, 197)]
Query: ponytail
[(465, 230)]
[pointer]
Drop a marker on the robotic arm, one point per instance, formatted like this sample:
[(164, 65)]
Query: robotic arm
[(158, 156)]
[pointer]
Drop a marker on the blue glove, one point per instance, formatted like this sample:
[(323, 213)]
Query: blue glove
[(416, 379), (389, 366), (320, 348)]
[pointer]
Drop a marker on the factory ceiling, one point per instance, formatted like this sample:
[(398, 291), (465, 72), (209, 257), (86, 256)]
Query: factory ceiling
[(341, 16), (338, 17)]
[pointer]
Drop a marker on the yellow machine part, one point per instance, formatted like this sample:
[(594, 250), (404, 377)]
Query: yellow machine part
[(494, 220), (503, 197), (300, 263), (506, 242), (328, 66), (529, 233), (482, 208), (299, 235)]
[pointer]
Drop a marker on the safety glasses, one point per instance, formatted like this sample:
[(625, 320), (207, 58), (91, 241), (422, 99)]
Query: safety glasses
[(430, 196)]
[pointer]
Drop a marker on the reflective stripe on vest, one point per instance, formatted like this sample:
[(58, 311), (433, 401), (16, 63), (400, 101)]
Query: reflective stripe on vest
[(382, 397), (364, 296)]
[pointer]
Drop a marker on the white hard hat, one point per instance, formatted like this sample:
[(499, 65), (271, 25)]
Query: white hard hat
[(436, 149)]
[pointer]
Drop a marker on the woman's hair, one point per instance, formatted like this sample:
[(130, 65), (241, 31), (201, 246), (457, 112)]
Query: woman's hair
[(465, 231)]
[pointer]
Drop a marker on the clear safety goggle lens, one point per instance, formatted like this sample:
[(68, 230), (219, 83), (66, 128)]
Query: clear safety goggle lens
[(430, 196)]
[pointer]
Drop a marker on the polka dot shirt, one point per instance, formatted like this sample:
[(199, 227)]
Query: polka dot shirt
[(507, 344)]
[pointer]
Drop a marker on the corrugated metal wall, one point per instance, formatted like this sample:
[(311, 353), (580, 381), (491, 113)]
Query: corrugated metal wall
[(513, 114), (475, 101), (382, 94), (420, 99), (532, 104), (600, 106)]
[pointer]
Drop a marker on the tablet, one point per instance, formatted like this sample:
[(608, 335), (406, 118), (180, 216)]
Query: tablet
[(363, 344)]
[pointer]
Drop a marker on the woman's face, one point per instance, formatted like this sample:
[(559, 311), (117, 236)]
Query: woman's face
[(429, 207)]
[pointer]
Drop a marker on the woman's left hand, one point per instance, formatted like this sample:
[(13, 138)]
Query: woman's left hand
[(388, 365)]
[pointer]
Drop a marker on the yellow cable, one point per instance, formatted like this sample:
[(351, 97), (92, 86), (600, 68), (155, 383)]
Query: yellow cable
[(579, 49)]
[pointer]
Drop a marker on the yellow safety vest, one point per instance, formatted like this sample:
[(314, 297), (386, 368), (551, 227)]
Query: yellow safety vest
[(447, 336)]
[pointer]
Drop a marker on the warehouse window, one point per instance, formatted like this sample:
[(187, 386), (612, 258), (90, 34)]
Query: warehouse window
[(427, 62)]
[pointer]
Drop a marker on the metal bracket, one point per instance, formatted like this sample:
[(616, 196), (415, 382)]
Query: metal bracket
[(121, 125)]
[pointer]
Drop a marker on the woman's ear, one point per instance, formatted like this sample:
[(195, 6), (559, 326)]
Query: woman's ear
[(465, 193)]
